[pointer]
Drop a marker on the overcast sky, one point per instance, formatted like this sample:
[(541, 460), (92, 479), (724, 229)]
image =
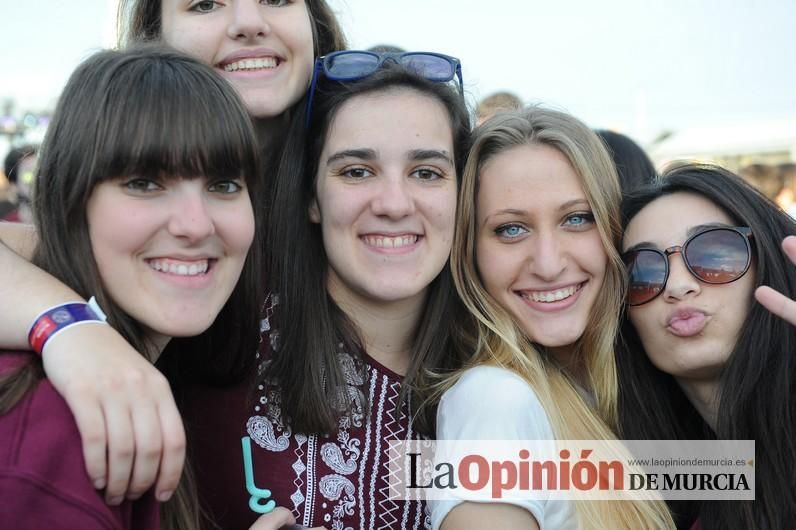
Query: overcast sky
[(638, 66)]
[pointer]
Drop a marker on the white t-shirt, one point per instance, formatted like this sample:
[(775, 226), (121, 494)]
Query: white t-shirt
[(491, 403)]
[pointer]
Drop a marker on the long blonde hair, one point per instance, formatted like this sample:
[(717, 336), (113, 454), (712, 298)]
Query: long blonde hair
[(497, 340)]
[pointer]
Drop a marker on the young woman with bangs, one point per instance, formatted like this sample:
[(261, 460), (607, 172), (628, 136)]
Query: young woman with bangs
[(700, 358), (143, 205), (131, 429), (535, 262)]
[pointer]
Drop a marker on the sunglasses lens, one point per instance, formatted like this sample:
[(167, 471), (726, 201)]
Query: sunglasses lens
[(718, 256), (351, 66), (647, 272), (432, 67)]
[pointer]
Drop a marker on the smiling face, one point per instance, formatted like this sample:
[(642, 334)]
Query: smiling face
[(169, 252), (386, 195), (690, 329), (264, 48), (538, 250)]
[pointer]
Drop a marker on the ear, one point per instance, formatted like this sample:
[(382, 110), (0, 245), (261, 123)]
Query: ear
[(314, 212)]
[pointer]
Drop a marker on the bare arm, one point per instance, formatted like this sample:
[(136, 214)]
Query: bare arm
[(24, 290), (471, 516), (131, 430)]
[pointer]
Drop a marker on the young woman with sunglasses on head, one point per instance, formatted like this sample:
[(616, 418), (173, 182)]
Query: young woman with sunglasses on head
[(143, 204), (361, 229), (266, 50), (701, 359), (534, 257)]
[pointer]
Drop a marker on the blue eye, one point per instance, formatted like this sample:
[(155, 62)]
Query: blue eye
[(580, 219), (510, 231)]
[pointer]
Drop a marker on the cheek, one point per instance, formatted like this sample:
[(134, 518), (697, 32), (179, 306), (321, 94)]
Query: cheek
[(491, 265)]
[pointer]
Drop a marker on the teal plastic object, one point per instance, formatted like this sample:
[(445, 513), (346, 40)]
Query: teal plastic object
[(258, 502)]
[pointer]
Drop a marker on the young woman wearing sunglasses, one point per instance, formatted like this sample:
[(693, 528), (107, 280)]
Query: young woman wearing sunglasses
[(535, 261), (701, 359), (266, 50)]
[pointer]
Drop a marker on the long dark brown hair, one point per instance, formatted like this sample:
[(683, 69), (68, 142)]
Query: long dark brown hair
[(150, 112), (310, 322), (757, 401)]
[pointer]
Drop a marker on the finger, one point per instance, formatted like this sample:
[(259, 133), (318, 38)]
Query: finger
[(148, 444), (90, 422), (173, 456), (789, 246), (120, 450), (274, 520), (777, 303)]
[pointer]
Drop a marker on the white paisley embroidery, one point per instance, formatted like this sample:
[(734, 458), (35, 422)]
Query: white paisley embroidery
[(261, 430), (332, 455), (333, 487)]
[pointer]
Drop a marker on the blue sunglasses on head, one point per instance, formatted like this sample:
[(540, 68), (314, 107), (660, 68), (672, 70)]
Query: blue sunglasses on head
[(351, 65)]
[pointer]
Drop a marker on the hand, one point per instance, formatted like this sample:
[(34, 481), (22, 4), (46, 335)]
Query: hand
[(123, 408), (776, 302), (279, 519)]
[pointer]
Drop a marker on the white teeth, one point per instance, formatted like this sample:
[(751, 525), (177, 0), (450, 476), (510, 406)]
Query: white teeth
[(251, 64), (390, 242), (551, 296), (180, 269)]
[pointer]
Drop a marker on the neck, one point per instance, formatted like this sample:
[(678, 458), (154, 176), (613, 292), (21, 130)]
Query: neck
[(387, 329), (704, 396)]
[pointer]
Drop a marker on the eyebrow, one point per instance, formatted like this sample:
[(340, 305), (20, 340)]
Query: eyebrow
[(371, 154), (429, 154), (574, 202), (363, 154), (691, 231)]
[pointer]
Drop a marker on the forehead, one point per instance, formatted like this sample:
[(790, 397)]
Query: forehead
[(400, 118), (666, 220), (530, 177)]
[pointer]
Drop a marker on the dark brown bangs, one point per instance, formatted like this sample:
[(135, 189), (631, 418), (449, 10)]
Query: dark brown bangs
[(170, 119)]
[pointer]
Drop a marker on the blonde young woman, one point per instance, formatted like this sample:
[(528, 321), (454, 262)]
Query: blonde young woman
[(535, 261)]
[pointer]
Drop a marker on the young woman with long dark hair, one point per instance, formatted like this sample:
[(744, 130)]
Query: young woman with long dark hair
[(362, 302), (701, 359), (143, 204), (266, 51)]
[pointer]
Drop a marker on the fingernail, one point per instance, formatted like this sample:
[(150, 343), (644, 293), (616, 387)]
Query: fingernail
[(163, 496), (99, 483), (115, 501)]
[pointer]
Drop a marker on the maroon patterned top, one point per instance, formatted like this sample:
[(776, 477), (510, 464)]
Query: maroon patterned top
[(338, 480)]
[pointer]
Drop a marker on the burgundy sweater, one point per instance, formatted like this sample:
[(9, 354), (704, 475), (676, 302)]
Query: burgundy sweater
[(43, 481)]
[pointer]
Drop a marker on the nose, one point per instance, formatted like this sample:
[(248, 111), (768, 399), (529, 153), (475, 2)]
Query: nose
[(681, 283), (190, 219), (548, 256), (394, 198), (248, 20)]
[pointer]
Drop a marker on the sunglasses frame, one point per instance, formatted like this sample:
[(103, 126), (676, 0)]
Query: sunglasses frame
[(322, 66), (744, 231)]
